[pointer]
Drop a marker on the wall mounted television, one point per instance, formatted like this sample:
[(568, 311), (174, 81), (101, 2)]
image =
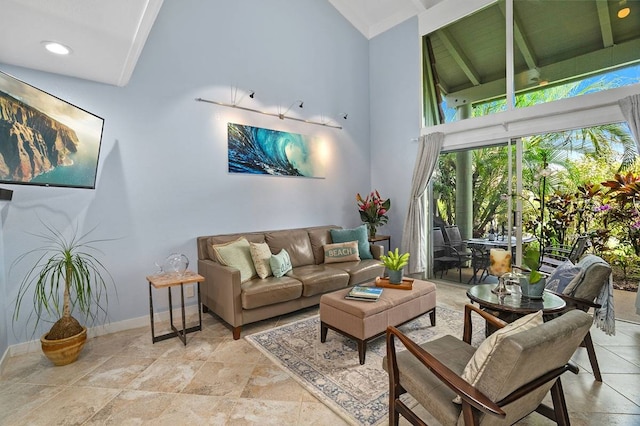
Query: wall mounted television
[(45, 140)]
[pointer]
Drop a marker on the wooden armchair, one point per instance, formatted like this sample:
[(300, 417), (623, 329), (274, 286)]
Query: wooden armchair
[(521, 369), (582, 294)]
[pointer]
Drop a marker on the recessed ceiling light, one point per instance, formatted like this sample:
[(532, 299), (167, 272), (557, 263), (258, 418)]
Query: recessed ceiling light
[(624, 12), (57, 48)]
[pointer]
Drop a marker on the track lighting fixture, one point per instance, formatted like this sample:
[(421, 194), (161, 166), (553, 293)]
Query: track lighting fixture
[(345, 115), (251, 94), (301, 104)]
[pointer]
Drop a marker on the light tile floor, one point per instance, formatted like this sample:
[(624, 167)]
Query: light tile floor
[(123, 379)]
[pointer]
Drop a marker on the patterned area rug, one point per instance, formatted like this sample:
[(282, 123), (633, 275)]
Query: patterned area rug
[(331, 371)]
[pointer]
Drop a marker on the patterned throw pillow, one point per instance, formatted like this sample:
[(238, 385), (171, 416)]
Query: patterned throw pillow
[(261, 255), (563, 276), (280, 263), (474, 369), (358, 234), (341, 252), (237, 255)]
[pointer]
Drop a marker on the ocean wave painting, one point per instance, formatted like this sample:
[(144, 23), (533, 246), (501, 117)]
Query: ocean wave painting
[(271, 152)]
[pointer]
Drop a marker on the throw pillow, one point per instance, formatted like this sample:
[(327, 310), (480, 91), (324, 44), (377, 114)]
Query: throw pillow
[(472, 372), (236, 254), (280, 263), (261, 255), (341, 252), (358, 234), (563, 276)]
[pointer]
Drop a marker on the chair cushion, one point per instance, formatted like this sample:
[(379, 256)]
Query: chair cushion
[(473, 372), (261, 255), (236, 254), (563, 276), (596, 273)]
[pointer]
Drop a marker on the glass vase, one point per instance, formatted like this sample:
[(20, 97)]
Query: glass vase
[(371, 229)]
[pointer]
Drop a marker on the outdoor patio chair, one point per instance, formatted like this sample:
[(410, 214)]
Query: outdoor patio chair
[(553, 256), (454, 238), (521, 368), (445, 256), (583, 291)]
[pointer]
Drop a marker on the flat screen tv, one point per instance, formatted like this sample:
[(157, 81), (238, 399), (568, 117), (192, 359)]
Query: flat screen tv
[(45, 140)]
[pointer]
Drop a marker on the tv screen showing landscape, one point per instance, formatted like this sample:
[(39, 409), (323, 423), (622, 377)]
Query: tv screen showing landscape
[(45, 140)]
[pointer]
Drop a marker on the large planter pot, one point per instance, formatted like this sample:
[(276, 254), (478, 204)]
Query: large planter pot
[(532, 291), (64, 351), (395, 277)]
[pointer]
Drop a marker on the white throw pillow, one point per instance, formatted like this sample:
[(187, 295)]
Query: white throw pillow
[(261, 254), (341, 252)]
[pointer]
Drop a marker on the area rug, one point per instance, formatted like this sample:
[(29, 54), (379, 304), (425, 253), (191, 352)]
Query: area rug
[(331, 370)]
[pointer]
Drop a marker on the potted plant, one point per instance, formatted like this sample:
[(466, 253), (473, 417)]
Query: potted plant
[(395, 263), (63, 267), (533, 284)]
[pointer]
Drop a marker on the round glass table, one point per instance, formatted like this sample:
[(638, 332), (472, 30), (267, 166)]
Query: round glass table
[(513, 306)]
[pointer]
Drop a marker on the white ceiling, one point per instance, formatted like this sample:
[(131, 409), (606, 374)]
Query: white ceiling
[(107, 36)]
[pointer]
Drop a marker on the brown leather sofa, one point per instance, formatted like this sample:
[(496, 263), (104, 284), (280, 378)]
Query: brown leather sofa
[(257, 299)]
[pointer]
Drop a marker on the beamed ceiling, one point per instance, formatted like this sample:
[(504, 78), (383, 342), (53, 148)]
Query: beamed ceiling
[(554, 41)]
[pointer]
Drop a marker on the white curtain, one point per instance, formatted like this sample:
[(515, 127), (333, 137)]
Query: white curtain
[(413, 233), (630, 107)]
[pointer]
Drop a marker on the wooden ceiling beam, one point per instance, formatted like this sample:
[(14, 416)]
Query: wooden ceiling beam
[(605, 23), (459, 56), (521, 39)]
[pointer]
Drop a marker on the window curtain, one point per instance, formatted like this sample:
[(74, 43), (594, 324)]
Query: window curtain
[(432, 109), (630, 107), (414, 231)]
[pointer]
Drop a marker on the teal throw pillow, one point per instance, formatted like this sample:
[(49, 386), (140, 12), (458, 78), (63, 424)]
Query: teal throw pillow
[(358, 234), (280, 263)]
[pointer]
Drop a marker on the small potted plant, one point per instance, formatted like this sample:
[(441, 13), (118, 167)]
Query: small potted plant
[(395, 263), (533, 284), (63, 267)]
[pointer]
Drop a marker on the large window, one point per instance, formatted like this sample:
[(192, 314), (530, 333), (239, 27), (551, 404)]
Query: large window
[(560, 49)]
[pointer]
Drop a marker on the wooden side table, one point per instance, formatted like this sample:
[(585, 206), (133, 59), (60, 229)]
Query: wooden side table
[(169, 280), (379, 238)]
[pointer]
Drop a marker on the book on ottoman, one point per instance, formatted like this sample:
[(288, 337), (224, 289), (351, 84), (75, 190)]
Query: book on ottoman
[(370, 294)]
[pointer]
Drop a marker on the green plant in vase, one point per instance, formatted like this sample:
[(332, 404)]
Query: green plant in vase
[(395, 263), (533, 284), (64, 276)]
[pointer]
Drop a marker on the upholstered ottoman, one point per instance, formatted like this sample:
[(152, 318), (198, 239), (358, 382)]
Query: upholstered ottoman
[(364, 321)]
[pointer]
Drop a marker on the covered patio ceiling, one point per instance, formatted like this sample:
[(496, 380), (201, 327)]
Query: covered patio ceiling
[(554, 41)]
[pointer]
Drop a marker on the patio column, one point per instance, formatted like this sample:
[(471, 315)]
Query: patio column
[(464, 188)]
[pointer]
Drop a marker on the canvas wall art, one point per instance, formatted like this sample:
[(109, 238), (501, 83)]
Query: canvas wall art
[(45, 140), (271, 152)]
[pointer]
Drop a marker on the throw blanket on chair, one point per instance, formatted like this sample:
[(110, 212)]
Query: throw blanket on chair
[(604, 317)]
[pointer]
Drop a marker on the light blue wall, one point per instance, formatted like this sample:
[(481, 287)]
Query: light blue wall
[(163, 169), (395, 117)]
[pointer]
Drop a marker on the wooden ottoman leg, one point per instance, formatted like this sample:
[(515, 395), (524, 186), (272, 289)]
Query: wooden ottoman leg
[(432, 316), (362, 350), (323, 332)]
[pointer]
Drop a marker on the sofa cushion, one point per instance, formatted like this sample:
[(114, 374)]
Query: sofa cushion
[(295, 242), (361, 271), (236, 254), (261, 255), (358, 234), (341, 252), (319, 237), (262, 292), (280, 263), (318, 279)]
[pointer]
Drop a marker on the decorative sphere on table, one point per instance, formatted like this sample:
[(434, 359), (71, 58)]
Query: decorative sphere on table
[(176, 262)]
